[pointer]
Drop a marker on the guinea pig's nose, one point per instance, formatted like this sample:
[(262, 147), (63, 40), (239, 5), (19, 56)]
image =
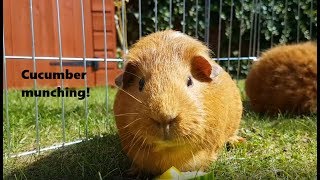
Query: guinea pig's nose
[(166, 131), (164, 120), (170, 121), (166, 126)]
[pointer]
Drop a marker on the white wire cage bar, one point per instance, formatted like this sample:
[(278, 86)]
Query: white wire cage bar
[(254, 51)]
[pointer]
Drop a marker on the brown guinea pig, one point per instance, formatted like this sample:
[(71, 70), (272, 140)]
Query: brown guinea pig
[(175, 106), (284, 80)]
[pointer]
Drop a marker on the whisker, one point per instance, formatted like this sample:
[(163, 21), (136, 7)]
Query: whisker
[(135, 156), (143, 154), (129, 134), (194, 161), (133, 139), (130, 123), (130, 95), (125, 136), (189, 139), (125, 114), (119, 88), (133, 74), (131, 146), (137, 140), (179, 138), (148, 153)]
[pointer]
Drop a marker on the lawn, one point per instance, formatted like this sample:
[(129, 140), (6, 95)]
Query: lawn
[(280, 147)]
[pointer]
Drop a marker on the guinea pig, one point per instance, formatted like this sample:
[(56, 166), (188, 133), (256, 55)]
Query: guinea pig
[(284, 79), (175, 106)]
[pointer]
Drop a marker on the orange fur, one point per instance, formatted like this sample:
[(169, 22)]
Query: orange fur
[(284, 80), (205, 115)]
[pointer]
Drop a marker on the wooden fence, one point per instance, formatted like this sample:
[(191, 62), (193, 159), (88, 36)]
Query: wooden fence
[(18, 40)]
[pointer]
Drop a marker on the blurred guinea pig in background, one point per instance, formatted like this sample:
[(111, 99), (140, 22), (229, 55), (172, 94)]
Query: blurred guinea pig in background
[(284, 79), (175, 106)]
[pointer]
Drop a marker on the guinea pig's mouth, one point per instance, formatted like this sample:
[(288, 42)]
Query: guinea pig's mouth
[(165, 144), (168, 143)]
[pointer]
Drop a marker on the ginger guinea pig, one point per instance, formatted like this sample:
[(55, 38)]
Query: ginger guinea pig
[(175, 106), (284, 80)]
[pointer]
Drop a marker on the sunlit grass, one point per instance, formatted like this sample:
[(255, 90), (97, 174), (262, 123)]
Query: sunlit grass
[(278, 147)]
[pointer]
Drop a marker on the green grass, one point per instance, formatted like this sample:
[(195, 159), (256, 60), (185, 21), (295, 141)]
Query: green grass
[(277, 147)]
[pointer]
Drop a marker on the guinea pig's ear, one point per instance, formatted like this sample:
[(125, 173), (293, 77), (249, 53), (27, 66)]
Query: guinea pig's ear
[(118, 80), (203, 71), (126, 78)]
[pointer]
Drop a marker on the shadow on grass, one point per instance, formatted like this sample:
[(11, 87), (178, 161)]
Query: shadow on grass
[(273, 117), (99, 158), (102, 158)]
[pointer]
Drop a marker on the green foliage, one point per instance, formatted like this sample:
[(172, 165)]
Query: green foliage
[(278, 22)]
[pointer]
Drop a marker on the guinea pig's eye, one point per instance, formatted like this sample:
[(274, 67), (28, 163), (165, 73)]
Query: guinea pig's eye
[(189, 82), (141, 84)]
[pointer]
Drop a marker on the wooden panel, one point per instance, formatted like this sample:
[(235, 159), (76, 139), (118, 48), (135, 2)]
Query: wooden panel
[(71, 28), (97, 5), (45, 30), (7, 27), (14, 77), (112, 74), (68, 26), (20, 24), (111, 66), (46, 38), (71, 32), (79, 82), (45, 27), (10, 74), (100, 53), (98, 38), (18, 38), (110, 54), (97, 21), (21, 41), (8, 42), (43, 66)]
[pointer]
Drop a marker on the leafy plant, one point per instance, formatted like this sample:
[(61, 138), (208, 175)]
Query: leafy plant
[(260, 24)]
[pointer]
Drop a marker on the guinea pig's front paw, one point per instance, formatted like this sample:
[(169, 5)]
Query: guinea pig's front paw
[(133, 171), (136, 173), (234, 140)]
